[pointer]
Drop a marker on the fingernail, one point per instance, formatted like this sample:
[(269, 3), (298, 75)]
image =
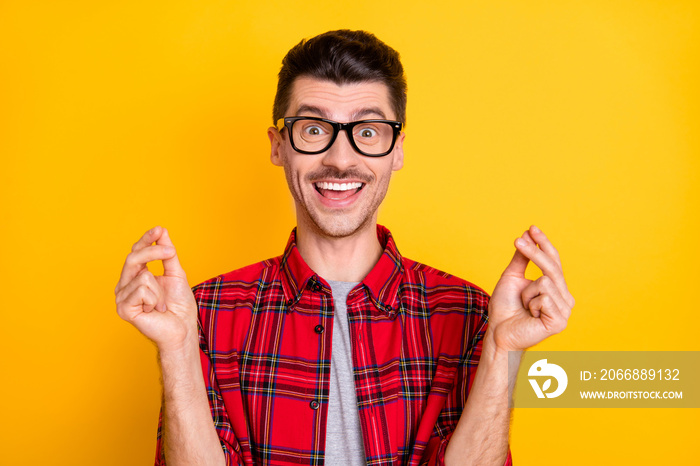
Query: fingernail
[(535, 229), (168, 250), (520, 242)]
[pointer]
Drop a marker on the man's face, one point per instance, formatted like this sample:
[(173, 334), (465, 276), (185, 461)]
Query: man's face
[(320, 205)]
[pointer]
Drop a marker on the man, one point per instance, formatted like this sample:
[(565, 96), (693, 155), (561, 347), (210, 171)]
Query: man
[(340, 351)]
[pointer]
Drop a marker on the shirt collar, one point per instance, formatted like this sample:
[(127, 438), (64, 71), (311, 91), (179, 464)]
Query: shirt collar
[(382, 282)]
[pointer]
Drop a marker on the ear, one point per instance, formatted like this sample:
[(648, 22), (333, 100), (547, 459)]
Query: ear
[(275, 146), (397, 153)]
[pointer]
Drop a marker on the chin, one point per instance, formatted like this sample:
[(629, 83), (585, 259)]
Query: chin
[(341, 227)]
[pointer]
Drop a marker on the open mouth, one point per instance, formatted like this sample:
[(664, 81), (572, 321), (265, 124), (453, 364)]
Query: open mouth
[(338, 190)]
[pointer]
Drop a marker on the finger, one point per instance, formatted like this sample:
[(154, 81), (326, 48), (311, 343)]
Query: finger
[(143, 279), (541, 287), (171, 265), (539, 238), (550, 268), (545, 308), (147, 239), (545, 245), (531, 291), (535, 306), (122, 282), (141, 299), (136, 261), (528, 239)]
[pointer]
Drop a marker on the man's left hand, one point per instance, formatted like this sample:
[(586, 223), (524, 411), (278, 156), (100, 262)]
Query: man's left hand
[(523, 312)]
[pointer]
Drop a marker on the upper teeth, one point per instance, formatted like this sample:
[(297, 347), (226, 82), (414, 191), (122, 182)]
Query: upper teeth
[(338, 186)]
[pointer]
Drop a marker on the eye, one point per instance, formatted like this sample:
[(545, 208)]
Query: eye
[(367, 133), (314, 130)]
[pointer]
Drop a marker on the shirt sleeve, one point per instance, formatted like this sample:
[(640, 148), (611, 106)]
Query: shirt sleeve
[(434, 454), (219, 414)]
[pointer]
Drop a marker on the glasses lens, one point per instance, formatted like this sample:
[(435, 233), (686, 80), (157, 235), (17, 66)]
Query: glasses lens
[(373, 137), (312, 135)]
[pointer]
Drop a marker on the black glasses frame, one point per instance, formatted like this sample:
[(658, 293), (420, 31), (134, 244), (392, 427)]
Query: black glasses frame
[(287, 122)]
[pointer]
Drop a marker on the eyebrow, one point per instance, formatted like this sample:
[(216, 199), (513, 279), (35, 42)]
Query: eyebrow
[(368, 111), (311, 110)]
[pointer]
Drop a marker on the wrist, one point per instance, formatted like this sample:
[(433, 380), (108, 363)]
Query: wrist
[(180, 349), (181, 370), (492, 350), (504, 361), (181, 335)]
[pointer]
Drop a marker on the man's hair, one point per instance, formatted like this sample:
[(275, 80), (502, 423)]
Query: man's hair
[(342, 57)]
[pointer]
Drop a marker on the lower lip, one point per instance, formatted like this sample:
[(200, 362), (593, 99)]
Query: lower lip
[(338, 203)]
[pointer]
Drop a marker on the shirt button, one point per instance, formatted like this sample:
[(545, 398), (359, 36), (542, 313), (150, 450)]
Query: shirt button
[(388, 309), (314, 404), (316, 286), (290, 302), (318, 329)]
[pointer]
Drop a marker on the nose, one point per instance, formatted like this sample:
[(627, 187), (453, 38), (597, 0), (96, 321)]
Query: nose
[(341, 154)]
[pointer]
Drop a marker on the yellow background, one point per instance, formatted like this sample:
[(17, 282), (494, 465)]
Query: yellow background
[(580, 117)]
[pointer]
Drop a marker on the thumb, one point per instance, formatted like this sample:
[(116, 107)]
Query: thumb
[(171, 265), (517, 264)]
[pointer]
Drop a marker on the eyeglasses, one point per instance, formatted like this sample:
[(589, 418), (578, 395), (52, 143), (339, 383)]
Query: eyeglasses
[(311, 135)]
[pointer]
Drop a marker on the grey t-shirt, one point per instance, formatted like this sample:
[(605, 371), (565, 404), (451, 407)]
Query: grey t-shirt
[(344, 444)]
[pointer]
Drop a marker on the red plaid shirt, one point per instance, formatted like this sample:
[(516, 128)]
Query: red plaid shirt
[(265, 342)]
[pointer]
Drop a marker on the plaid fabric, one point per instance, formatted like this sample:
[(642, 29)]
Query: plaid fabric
[(265, 342)]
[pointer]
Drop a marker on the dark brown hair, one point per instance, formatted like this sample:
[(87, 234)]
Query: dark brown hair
[(342, 57)]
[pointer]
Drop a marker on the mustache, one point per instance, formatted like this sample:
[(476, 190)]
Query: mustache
[(333, 173)]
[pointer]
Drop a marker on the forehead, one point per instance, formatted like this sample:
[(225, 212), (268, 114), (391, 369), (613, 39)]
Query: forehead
[(341, 102)]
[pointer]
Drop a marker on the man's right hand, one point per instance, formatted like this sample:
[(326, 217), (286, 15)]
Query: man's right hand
[(163, 307)]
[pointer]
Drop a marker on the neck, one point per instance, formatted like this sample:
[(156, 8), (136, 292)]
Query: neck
[(346, 259)]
